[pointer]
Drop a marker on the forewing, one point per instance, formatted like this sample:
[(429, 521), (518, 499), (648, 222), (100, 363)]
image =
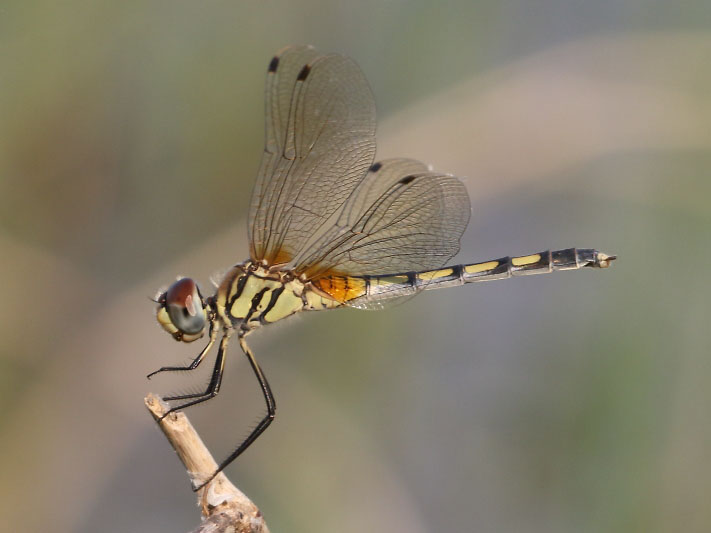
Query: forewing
[(320, 141), (401, 218)]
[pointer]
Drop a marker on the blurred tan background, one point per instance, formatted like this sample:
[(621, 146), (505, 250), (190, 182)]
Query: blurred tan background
[(130, 135)]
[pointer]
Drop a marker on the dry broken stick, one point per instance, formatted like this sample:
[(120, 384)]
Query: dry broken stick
[(224, 507)]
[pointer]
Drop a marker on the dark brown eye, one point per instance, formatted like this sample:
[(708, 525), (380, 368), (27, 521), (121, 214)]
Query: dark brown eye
[(184, 305)]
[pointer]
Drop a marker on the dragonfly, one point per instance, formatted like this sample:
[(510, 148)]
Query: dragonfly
[(329, 227)]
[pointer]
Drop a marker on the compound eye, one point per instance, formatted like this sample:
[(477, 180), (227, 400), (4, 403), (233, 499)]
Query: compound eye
[(184, 305)]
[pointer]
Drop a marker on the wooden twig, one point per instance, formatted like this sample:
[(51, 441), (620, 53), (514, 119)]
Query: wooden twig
[(224, 507)]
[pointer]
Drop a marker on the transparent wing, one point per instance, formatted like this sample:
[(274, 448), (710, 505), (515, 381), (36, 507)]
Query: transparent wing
[(320, 142), (401, 218)]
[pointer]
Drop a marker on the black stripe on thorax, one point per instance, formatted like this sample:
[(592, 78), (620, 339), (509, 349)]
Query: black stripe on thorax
[(255, 302), (241, 282), (272, 302)]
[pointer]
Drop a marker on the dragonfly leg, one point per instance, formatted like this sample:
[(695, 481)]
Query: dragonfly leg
[(263, 424), (196, 362), (212, 388)]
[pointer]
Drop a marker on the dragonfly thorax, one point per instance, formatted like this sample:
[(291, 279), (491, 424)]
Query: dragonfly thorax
[(251, 295)]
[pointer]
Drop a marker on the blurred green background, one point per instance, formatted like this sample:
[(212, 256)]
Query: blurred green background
[(130, 135)]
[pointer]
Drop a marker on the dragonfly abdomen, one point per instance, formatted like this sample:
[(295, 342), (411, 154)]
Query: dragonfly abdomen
[(397, 285), (539, 263)]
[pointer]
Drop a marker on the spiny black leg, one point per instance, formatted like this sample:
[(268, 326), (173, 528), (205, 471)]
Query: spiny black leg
[(263, 424), (212, 388), (196, 362)]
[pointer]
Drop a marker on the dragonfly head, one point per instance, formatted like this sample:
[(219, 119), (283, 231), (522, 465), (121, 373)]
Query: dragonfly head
[(181, 311)]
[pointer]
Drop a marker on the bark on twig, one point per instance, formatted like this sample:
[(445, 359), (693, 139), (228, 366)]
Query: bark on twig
[(224, 507)]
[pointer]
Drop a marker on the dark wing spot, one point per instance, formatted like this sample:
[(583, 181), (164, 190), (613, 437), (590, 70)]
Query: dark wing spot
[(407, 179), (376, 166), (304, 72), (273, 64)]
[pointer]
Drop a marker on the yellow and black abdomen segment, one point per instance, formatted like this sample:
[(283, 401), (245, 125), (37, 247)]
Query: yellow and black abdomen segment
[(540, 263), (397, 285)]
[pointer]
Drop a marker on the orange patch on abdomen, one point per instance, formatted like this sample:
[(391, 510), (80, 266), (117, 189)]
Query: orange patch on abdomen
[(341, 288)]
